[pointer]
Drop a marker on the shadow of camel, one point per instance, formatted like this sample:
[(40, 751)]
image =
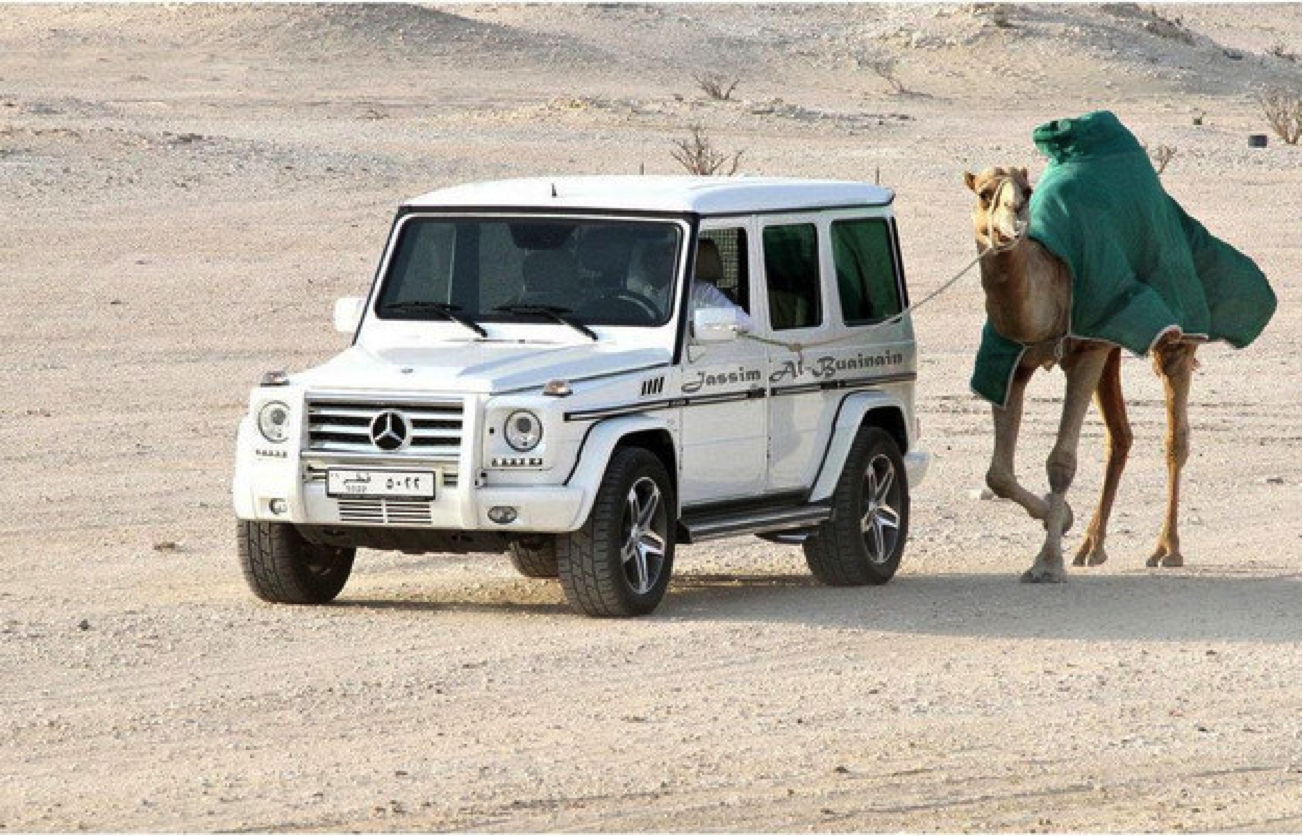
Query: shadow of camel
[(1087, 608), (1158, 607)]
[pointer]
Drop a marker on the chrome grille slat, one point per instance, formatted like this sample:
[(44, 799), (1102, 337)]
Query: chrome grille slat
[(342, 429), (419, 432)]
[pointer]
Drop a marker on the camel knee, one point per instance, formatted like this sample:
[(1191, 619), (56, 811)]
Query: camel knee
[(1061, 467), (1002, 482)]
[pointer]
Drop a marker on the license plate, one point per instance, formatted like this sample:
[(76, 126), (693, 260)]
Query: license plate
[(410, 484)]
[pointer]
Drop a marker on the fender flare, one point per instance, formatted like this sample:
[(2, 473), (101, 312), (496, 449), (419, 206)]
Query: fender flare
[(595, 453), (851, 414)]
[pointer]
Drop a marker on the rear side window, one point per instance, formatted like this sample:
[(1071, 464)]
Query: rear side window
[(792, 276), (866, 270)]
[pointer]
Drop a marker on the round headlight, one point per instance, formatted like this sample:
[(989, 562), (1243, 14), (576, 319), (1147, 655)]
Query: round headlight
[(274, 422), (523, 431)]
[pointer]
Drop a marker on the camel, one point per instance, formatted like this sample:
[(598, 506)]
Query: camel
[(1028, 291)]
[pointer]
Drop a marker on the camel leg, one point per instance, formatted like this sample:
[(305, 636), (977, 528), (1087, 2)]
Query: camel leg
[(1083, 371), (1001, 477), (1108, 397), (1175, 363)]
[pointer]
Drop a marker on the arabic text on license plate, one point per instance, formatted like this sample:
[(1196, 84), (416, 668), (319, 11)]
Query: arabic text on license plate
[(406, 483)]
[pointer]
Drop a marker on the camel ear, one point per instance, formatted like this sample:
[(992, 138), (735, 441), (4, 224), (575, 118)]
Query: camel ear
[(970, 180), (1025, 178)]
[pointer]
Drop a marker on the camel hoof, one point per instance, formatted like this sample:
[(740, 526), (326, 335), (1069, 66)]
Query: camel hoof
[(1090, 554), (1090, 557), (1167, 559), (1035, 575)]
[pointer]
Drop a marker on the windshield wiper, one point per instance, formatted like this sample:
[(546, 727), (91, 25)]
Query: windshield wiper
[(553, 313), (448, 311)]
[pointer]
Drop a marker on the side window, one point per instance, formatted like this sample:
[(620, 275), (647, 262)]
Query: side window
[(792, 276), (728, 272), (866, 271)]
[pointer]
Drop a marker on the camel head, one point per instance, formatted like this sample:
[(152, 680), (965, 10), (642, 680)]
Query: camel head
[(1000, 214)]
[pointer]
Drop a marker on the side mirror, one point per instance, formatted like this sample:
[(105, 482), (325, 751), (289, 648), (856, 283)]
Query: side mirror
[(348, 314), (716, 325)]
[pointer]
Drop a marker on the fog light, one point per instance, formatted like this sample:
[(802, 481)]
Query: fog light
[(279, 506), (502, 514)]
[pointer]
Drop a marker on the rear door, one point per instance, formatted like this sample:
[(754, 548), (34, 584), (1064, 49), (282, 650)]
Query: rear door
[(796, 314)]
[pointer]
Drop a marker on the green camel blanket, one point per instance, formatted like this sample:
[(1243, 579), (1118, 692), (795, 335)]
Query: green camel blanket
[(1140, 265)]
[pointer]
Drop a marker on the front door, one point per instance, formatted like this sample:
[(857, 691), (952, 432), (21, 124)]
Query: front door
[(725, 449)]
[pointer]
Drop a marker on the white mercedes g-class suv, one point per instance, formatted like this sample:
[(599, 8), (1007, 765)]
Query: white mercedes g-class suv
[(583, 372)]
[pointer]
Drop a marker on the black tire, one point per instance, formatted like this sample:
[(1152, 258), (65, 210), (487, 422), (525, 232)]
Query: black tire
[(283, 568), (535, 557), (863, 541), (599, 564)]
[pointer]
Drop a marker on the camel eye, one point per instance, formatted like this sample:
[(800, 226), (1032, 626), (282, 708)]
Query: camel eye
[(985, 195)]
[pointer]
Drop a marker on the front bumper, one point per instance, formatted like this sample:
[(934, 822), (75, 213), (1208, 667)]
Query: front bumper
[(295, 484)]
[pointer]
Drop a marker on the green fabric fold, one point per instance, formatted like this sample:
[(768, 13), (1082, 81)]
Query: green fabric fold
[(1140, 265)]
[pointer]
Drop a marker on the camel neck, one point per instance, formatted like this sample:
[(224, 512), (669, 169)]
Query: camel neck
[(1026, 296), (1005, 272)]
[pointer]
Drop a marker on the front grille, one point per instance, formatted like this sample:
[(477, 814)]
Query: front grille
[(345, 427), (384, 511)]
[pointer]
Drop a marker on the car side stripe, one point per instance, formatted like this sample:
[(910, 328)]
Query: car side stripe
[(726, 397)]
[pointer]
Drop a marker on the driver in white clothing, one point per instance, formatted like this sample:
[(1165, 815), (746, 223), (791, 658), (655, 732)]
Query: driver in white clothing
[(705, 293)]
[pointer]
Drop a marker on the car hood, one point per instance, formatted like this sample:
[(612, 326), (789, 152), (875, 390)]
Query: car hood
[(486, 367)]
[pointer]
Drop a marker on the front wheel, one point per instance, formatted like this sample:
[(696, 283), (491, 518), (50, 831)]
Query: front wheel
[(863, 541), (618, 564), (283, 568), (534, 557)]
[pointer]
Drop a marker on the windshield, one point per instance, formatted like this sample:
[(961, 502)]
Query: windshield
[(589, 272)]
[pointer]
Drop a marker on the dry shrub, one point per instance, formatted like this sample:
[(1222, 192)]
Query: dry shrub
[(1161, 156), (698, 156), (1172, 28), (1279, 50), (1283, 112), (716, 86), (884, 67)]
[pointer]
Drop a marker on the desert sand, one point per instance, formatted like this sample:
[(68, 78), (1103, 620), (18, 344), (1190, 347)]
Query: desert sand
[(184, 191)]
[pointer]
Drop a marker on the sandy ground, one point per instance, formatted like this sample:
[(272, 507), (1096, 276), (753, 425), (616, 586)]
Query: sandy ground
[(185, 190)]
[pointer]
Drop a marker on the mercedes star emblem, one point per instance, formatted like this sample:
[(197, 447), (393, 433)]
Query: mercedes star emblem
[(390, 430)]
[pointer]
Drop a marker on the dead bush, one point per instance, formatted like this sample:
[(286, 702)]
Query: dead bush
[(1161, 156), (999, 14), (1284, 114), (698, 156), (1279, 50), (1172, 28), (884, 67), (716, 86)]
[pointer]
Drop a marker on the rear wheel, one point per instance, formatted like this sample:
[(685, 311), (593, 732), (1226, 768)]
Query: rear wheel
[(863, 541), (618, 564), (535, 557), (282, 567)]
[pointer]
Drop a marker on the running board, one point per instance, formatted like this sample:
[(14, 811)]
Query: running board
[(701, 527)]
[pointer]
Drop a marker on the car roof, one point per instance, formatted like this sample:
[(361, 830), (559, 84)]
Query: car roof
[(656, 193)]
